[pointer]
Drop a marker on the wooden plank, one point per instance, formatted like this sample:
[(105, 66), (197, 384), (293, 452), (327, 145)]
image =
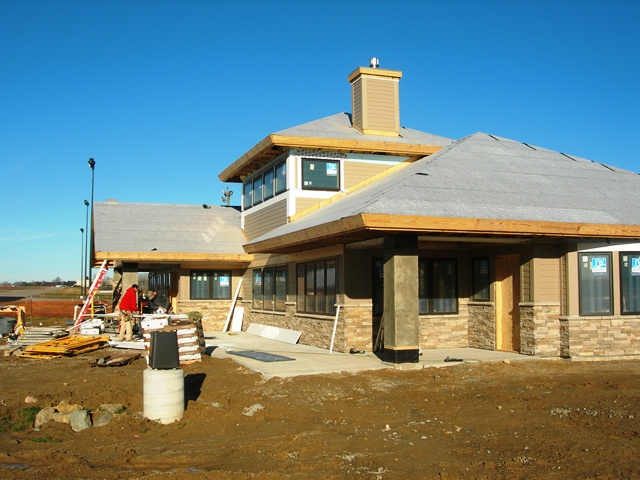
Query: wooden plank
[(233, 304)]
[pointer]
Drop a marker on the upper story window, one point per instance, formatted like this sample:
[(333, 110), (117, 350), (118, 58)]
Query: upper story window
[(320, 174), (264, 186)]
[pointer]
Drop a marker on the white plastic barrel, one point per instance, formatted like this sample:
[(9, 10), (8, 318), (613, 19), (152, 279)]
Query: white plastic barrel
[(163, 394)]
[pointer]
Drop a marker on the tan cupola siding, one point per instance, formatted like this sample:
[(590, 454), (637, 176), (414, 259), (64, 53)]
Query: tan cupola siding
[(375, 100)]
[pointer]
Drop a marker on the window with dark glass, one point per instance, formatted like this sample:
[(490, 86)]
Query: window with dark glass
[(595, 283), (210, 285), (281, 178), (269, 287), (247, 195), (257, 190), (630, 282), (267, 186), (437, 286), (480, 280), (320, 174), (316, 287)]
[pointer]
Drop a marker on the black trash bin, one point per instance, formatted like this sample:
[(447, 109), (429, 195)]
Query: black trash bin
[(163, 350)]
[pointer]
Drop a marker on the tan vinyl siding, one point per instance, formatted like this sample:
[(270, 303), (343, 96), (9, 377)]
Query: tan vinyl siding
[(304, 203), (547, 280), (259, 222), (356, 172), (357, 103), (563, 285), (381, 111)]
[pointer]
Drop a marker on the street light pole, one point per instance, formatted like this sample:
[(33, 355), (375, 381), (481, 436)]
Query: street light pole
[(82, 260), (92, 165), (86, 250)]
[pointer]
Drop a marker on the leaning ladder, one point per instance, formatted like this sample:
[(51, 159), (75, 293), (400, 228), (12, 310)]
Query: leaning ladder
[(95, 286)]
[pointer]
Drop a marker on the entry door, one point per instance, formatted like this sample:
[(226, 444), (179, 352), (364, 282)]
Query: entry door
[(507, 299)]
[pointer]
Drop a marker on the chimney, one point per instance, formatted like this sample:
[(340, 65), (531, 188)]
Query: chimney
[(375, 100)]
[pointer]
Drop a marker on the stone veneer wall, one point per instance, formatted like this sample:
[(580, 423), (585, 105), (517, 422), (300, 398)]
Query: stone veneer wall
[(593, 337), (445, 331), (214, 312), (316, 329), (540, 329), (482, 325)]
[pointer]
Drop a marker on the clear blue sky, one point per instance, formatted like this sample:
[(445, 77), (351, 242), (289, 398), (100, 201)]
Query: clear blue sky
[(166, 94)]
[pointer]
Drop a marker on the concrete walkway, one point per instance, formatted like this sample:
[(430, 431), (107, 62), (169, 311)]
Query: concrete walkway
[(308, 360)]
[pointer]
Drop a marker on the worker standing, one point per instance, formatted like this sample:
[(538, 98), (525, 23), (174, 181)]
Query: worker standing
[(128, 305)]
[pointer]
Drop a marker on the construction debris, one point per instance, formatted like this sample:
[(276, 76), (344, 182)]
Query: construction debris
[(67, 346), (118, 361), (34, 335)]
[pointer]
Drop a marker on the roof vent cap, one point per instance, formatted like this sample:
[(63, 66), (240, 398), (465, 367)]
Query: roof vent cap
[(374, 62)]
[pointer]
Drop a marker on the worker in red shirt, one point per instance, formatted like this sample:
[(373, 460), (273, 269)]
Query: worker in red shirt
[(128, 305)]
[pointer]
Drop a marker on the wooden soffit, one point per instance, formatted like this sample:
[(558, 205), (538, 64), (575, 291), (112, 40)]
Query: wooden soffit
[(364, 226), (273, 145)]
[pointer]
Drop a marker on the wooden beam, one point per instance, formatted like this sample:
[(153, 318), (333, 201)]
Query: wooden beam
[(272, 145), (364, 225), (160, 257)]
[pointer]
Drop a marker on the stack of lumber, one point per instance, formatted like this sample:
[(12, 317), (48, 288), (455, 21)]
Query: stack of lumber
[(68, 346), (34, 335), (191, 345)]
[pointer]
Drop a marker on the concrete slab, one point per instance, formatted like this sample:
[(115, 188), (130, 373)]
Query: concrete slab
[(312, 360)]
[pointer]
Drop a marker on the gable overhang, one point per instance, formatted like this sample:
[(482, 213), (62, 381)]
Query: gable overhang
[(274, 145), (367, 226)]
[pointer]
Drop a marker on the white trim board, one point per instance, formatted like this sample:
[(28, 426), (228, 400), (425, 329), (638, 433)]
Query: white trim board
[(274, 333)]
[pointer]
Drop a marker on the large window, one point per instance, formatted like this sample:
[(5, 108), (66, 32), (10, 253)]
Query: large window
[(630, 282), (269, 287), (264, 186), (595, 284), (320, 174), (316, 287), (210, 285), (437, 286), (481, 280)]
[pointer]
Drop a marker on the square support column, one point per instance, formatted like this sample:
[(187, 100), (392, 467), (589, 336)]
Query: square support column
[(401, 320)]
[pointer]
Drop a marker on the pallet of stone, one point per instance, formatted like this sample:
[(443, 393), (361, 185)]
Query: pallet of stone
[(66, 346), (35, 335), (191, 345)]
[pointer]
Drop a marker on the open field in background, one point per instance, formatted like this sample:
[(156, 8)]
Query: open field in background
[(53, 307)]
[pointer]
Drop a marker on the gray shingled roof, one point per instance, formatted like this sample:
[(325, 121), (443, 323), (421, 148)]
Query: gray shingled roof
[(143, 227), (483, 176), (339, 126)]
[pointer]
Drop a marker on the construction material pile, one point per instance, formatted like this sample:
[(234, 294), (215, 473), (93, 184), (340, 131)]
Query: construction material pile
[(65, 346), (34, 335)]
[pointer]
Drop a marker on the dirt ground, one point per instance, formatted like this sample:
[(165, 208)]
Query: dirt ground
[(546, 419)]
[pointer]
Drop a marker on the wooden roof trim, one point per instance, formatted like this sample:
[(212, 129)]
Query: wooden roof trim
[(272, 145), (327, 230), (360, 146), (476, 226), (260, 149), (174, 257), (425, 225)]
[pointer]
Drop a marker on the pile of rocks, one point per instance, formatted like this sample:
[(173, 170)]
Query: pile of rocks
[(78, 417)]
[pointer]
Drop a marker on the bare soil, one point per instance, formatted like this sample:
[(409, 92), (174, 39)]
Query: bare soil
[(541, 419)]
